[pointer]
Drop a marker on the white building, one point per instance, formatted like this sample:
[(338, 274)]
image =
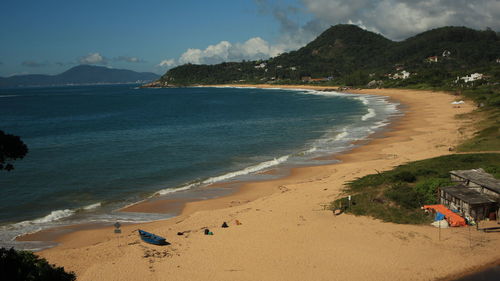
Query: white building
[(262, 65), (401, 75), (471, 78)]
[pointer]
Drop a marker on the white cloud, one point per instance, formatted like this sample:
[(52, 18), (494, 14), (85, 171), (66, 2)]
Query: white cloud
[(128, 59), (399, 19), (93, 58), (167, 63), (224, 51), (212, 54), (255, 48), (395, 19)]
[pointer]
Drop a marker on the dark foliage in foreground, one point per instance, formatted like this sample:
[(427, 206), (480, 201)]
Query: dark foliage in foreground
[(11, 148), (26, 266)]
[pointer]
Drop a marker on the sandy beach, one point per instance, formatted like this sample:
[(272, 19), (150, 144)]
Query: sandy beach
[(285, 232)]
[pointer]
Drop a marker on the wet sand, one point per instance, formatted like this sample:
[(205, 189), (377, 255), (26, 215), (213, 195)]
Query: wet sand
[(286, 234)]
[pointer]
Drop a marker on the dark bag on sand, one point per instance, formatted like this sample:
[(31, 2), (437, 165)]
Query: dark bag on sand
[(207, 231), (224, 225)]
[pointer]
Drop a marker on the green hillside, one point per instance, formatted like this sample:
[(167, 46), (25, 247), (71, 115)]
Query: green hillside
[(349, 55)]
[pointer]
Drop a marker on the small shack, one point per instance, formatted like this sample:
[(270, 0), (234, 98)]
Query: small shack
[(478, 180), (467, 202)]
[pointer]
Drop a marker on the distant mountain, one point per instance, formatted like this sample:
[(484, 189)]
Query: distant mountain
[(81, 74), (350, 55)]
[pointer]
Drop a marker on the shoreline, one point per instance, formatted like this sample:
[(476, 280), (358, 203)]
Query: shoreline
[(174, 202), (282, 208), (148, 207)]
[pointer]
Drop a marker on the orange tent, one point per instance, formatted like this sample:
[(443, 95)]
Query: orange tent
[(452, 218)]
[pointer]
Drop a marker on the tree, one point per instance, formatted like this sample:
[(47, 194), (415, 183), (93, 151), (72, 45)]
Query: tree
[(11, 148), (26, 266)]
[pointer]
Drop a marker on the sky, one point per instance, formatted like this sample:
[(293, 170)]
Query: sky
[(51, 36)]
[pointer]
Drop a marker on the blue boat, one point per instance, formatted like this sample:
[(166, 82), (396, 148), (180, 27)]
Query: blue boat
[(152, 238)]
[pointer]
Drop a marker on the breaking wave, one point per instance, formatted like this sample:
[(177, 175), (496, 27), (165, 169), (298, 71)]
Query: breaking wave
[(92, 206), (371, 113), (242, 172), (53, 216)]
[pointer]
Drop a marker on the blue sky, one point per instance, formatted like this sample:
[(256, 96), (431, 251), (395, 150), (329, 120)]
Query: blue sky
[(49, 36)]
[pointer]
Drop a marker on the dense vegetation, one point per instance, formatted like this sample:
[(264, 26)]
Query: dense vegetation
[(26, 266), (397, 195)]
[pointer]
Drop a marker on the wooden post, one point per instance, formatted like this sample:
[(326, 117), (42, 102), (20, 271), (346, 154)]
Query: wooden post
[(439, 224), (470, 238)]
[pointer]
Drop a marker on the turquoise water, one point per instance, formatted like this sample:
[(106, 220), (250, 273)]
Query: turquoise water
[(94, 149)]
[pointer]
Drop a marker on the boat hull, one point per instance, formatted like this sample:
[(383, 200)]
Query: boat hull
[(152, 238)]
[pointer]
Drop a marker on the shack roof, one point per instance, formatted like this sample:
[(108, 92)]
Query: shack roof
[(467, 194), (480, 177)]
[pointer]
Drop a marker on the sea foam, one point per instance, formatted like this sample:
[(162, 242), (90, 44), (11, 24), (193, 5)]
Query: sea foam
[(248, 170), (92, 206), (342, 135), (53, 216), (371, 113)]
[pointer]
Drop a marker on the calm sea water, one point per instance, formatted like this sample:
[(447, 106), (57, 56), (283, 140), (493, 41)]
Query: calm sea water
[(94, 149)]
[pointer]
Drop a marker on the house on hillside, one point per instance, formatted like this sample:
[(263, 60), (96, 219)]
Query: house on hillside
[(432, 59), (306, 78), (471, 78), (262, 65), (476, 194), (400, 75)]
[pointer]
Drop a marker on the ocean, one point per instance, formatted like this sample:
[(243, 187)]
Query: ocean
[(96, 149)]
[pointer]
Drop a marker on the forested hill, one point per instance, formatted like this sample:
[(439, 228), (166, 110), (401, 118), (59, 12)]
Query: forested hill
[(79, 75), (349, 55)]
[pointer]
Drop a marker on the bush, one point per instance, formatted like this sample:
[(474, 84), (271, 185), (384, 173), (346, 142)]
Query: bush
[(405, 176), (405, 196), (26, 266), (427, 188)]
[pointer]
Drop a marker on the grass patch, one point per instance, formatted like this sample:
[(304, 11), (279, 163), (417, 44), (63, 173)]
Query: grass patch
[(397, 195), (488, 136)]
